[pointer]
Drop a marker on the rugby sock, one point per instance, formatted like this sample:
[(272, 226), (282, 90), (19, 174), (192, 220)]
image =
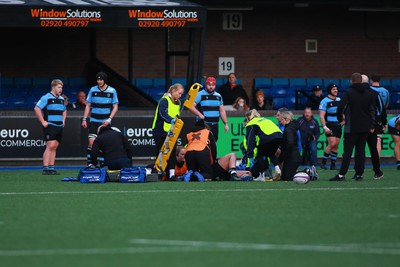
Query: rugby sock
[(45, 168), (325, 159), (232, 170), (100, 160), (51, 168), (398, 164), (333, 158), (88, 151)]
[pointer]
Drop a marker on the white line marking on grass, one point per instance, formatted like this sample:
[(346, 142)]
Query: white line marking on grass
[(199, 190), (93, 251), (332, 248), (179, 246)]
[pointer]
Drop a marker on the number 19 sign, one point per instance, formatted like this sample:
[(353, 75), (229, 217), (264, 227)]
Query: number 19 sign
[(226, 65)]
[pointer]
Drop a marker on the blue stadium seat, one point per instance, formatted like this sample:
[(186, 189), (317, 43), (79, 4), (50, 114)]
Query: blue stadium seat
[(387, 83), (77, 82), (277, 91), (278, 102), (311, 82), (262, 83), (31, 101), (21, 92), (5, 92), (179, 80), (297, 83), (395, 84), (7, 82), (394, 100), (159, 83), (21, 82), (327, 81), (290, 102), (157, 94), (345, 83), (3, 103), (144, 83), (280, 82), (16, 102), (40, 82)]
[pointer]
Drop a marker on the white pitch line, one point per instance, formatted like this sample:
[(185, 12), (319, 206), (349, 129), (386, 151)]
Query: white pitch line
[(94, 251), (179, 246), (332, 248), (199, 190)]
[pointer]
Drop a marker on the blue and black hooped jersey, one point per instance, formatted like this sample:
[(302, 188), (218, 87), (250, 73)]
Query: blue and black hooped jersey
[(101, 103), (330, 107), (209, 104), (52, 109), (392, 121)]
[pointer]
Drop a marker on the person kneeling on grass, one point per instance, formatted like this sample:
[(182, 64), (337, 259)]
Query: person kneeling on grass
[(394, 131), (114, 147), (201, 160)]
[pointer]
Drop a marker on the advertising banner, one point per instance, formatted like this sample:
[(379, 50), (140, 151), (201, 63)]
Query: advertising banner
[(100, 14), (231, 142), (22, 137)]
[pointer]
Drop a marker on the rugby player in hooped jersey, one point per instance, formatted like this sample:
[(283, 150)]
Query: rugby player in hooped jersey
[(51, 112), (102, 105)]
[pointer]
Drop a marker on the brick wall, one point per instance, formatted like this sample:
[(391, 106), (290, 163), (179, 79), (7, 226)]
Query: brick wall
[(272, 43)]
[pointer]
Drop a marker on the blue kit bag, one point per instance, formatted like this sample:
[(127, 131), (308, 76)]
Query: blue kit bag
[(92, 175), (132, 175)]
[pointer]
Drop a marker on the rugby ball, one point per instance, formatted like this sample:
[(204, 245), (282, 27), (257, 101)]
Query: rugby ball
[(301, 178)]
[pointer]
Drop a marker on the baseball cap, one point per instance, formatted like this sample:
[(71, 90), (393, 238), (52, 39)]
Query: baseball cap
[(316, 88)]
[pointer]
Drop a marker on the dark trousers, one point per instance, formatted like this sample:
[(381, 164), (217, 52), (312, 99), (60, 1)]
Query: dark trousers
[(289, 169), (200, 161), (372, 142), (351, 140), (117, 164), (267, 150)]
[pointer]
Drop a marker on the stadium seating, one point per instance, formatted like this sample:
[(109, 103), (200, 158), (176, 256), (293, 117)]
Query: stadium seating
[(23, 82), (7, 82), (179, 80), (3, 103), (280, 82), (311, 82), (144, 83), (394, 100), (278, 102), (41, 82), (159, 83), (298, 83), (21, 92), (396, 84), (387, 83), (16, 102), (327, 81)]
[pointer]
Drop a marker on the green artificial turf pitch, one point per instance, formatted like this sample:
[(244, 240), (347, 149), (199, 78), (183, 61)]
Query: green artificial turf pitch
[(46, 222)]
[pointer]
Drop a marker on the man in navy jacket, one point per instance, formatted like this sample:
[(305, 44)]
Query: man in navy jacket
[(310, 132)]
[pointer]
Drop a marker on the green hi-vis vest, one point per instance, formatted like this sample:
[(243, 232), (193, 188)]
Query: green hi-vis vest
[(267, 126), (173, 111), (255, 149)]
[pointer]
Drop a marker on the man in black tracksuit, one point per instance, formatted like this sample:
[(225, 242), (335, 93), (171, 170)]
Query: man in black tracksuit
[(380, 120), (358, 107), (115, 148)]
